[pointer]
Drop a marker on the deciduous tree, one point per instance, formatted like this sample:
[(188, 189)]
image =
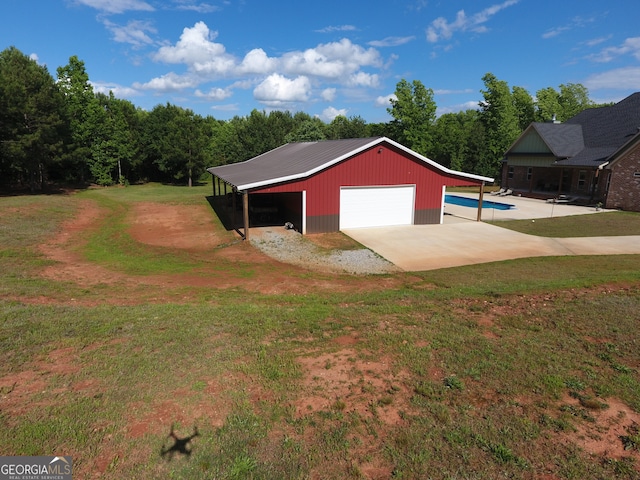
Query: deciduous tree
[(525, 108), (414, 112), (30, 122), (82, 116), (343, 127), (500, 120), (561, 106)]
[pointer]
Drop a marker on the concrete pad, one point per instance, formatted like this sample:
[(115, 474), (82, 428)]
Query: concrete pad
[(429, 247)]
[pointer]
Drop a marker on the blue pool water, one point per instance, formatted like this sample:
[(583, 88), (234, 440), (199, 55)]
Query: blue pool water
[(472, 202)]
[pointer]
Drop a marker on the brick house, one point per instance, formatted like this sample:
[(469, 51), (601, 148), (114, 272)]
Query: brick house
[(594, 157)]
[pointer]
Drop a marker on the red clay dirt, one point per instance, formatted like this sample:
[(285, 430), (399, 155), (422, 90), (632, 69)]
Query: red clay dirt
[(183, 229), (344, 380)]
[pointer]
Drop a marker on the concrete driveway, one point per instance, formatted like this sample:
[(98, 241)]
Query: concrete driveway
[(428, 247), (462, 241)]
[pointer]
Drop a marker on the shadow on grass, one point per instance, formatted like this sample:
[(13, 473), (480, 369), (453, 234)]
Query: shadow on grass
[(181, 446), (46, 189), (223, 208)]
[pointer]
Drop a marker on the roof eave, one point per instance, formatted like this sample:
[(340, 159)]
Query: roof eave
[(620, 151)]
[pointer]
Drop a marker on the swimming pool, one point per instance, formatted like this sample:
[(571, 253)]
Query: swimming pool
[(472, 202)]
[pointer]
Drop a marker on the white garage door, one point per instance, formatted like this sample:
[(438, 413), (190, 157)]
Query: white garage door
[(376, 206)]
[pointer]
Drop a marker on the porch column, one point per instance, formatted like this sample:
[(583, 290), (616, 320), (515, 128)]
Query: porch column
[(233, 206), (479, 219), (560, 182), (245, 213)]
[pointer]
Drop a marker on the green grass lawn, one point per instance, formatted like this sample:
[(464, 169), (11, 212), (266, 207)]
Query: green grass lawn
[(602, 224), (489, 371)]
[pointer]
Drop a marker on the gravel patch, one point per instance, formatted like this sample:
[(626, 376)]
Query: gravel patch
[(289, 246)]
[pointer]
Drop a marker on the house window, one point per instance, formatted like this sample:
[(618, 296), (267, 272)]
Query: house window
[(510, 172), (529, 173), (582, 179)]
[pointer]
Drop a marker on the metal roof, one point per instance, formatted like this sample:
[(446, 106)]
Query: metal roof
[(295, 161)]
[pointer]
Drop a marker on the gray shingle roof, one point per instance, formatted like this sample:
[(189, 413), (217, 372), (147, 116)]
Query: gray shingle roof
[(299, 160), (563, 139), (594, 136), (589, 157)]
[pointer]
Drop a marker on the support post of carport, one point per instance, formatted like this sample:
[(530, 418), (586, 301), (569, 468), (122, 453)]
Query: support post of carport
[(245, 213), (479, 219)]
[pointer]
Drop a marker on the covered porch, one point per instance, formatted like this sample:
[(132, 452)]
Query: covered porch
[(579, 184)]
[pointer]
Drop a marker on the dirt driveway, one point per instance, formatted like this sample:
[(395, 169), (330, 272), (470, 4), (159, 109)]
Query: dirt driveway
[(465, 242)]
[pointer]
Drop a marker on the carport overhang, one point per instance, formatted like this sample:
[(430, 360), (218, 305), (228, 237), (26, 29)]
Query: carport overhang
[(221, 183)]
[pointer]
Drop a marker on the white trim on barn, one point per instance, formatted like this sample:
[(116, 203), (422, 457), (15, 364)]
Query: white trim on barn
[(444, 193), (304, 212), (376, 206)]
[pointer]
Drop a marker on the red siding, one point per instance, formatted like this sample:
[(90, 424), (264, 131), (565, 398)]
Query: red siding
[(369, 168)]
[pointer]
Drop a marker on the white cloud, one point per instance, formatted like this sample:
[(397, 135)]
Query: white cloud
[(629, 46), (576, 22), (461, 107), (418, 5), (276, 80), (215, 94), (232, 107), (35, 58), (336, 60), (133, 32), (328, 94), (329, 113), (337, 28), (362, 79), (554, 32), (443, 91), (257, 62), (391, 41), (117, 6), (170, 82), (243, 84), (118, 90), (277, 90), (441, 29), (197, 50), (626, 78), (197, 7), (385, 101), (597, 41)]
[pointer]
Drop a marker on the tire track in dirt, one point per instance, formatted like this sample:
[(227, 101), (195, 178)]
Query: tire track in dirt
[(182, 228)]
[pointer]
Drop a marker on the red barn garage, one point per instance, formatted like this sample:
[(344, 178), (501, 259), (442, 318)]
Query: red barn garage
[(327, 186)]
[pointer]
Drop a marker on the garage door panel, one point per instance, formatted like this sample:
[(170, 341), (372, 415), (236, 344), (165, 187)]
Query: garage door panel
[(376, 206)]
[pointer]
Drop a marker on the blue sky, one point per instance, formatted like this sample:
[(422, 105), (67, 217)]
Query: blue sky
[(227, 57)]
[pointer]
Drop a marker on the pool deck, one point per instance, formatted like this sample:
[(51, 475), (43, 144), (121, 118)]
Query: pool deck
[(524, 208)]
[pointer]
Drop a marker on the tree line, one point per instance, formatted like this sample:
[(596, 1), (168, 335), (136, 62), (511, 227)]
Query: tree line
[(59, 130)]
